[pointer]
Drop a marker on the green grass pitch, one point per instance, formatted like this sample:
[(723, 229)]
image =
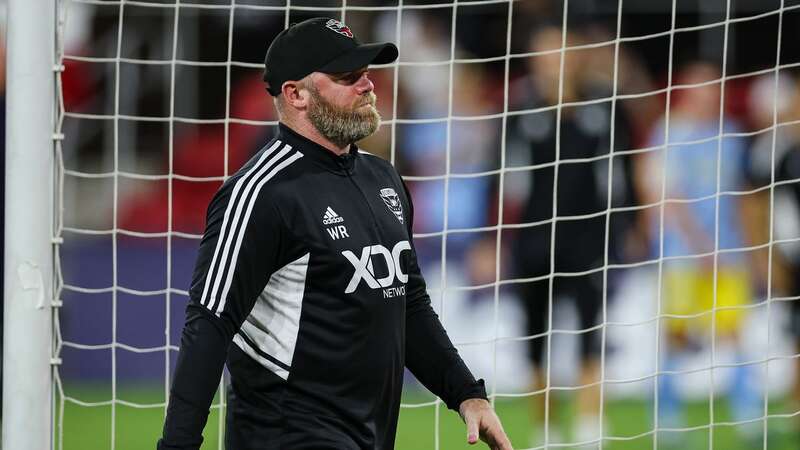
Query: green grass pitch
[(89, 428)]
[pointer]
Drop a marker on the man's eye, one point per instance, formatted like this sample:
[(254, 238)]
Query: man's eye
[(351, 78)]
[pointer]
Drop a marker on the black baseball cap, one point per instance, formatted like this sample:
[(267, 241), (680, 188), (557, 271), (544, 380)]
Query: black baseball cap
[(321, 44)]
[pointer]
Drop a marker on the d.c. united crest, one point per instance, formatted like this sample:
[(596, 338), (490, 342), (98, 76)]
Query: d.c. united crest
[(392, 201), (339, 27)]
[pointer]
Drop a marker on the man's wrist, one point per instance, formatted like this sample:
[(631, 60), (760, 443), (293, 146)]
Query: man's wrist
[(475, 402), (475, 389)]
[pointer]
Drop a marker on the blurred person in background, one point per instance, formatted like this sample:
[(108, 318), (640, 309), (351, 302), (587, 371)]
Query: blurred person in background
[(472, 149), (582, 189), (690, 228), (785, 217), (424, 149), (430, 137)]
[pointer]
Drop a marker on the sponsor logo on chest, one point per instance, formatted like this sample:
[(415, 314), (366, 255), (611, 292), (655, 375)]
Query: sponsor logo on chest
[(364, 269)]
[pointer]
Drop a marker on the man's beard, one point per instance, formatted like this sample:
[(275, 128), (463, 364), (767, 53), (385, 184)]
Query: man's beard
[(341, 125)]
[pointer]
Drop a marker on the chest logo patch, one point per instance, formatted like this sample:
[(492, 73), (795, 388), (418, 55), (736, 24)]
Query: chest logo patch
[(392, 201)]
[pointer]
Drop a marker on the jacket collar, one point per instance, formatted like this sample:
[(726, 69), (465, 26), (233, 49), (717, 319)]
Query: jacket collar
[(339, 164)]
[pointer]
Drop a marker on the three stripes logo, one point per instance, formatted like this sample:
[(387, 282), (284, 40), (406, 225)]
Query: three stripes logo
[(330, 217), (234, 224)]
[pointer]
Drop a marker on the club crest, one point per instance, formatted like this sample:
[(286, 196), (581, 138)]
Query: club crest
[(392, 201), (339, 27)]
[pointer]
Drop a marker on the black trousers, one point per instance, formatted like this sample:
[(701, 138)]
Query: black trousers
[(579, 247)]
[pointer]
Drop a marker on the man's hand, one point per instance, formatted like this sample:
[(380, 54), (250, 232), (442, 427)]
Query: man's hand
[(481, 421)]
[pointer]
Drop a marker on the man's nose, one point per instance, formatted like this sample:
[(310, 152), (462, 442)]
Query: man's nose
[(364, 84)]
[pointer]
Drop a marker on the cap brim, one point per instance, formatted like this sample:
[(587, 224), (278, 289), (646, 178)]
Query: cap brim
[(362, 56)]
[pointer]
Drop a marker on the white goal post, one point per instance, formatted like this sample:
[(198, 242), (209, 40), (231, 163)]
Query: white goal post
[(29, 250)]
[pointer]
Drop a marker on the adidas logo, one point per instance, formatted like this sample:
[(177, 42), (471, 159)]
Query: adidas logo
[(330, 217)]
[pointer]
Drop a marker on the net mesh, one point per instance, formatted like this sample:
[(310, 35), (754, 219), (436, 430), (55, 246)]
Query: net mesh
[(154, 115)]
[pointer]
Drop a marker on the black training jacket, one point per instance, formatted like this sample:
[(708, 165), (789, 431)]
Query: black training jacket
[(307, 282)]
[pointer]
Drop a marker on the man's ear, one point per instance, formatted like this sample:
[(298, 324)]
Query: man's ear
[(295, 94)]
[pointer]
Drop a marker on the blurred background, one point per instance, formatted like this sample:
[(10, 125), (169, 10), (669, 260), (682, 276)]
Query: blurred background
[(607, 199)]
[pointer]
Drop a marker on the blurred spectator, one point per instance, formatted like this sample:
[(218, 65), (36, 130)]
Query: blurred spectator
[(582, 189), (435, 148), (423, 40), (782, 162), (470, 151), (693, 228)]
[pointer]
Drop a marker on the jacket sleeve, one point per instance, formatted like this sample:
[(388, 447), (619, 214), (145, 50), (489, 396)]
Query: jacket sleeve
[(239, 251), (430, 355)]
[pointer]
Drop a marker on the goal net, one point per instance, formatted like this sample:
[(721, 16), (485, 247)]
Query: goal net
[(606, 194)]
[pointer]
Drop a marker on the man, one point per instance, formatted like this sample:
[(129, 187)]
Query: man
[(783, 163), (704, 296), (566, 164), (308, 266)]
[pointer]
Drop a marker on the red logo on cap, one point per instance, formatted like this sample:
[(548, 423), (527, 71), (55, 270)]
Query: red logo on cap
[(339, 27)]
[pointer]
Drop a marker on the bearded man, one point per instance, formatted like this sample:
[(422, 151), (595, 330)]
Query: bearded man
[(307, 266)]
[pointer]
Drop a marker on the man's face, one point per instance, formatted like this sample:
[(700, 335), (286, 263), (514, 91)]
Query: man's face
[(342, 106)]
